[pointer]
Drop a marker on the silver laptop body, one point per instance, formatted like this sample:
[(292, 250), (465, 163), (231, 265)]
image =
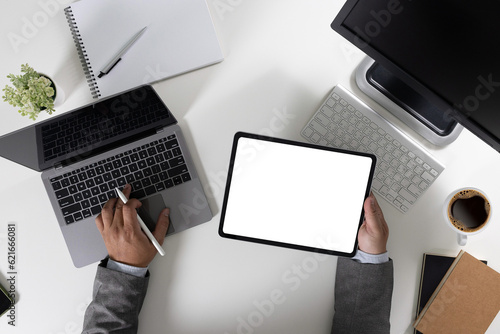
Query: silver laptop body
[(154, 159)]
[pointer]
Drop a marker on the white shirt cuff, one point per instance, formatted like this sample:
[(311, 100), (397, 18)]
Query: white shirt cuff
[(363, 257), (127, 269)]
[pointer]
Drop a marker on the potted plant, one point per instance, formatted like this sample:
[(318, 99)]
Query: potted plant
[(32, 92)]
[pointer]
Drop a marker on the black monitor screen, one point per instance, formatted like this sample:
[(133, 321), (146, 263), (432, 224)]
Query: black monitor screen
[(449, 51)]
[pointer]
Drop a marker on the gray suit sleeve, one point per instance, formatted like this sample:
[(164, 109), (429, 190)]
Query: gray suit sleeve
[(117, 301), (363, 295)]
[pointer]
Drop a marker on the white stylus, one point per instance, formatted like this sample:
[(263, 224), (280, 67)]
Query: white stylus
[(143, 226)]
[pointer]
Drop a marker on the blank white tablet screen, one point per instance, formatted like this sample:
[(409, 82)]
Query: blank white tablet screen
[(296, 195)]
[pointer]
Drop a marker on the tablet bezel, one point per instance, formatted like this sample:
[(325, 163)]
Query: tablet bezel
[(232, 161)]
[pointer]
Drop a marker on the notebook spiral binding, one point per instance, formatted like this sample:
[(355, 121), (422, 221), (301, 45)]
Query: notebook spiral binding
[(82, 54)]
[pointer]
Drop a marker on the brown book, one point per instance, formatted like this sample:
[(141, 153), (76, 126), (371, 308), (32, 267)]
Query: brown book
[(466, 300)]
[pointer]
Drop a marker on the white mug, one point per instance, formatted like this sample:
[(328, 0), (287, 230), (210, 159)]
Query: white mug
[(461, 234)]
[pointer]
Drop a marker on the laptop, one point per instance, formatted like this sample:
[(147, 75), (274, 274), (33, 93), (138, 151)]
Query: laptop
[(84, 154)]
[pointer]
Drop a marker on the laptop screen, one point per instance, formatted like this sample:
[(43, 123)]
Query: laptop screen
[(87, 131)]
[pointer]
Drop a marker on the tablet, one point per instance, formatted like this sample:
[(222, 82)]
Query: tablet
[(295, 195)]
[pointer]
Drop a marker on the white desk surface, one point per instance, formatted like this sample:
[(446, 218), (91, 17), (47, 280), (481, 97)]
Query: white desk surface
[(281, 60)]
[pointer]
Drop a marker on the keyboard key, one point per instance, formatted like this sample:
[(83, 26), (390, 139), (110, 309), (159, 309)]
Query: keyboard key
[(160, 186), (103, 187), (72, 189), (136, 185), (138, 175), (66, 201), (98, 180), (107, 177), (94, 201), (95, 210), (186, 177), (147, 172), (176, 162), (126, 160), (71, 209), (62, 193), (407, 196), (427, 177), (160, 148), (177, 170), (176, 152), (134, 157), (150, 190), (130, 178), (95, 191), (146, 182), (56, 185), (121, 182), (133, 167), (138, 194), (90, 183), (177, 180), (69, 219), (171, 144), (151, 151)]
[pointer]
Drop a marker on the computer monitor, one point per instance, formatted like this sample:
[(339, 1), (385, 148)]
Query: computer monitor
[(439, 60)]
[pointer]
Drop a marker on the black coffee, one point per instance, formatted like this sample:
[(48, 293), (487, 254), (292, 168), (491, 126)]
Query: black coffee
[(468, 210)]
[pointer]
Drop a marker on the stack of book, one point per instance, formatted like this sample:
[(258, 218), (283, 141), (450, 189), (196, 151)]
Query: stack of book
[(457, 295)]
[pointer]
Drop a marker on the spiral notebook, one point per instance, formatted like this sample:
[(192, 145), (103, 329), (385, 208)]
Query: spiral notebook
[(180, 37)]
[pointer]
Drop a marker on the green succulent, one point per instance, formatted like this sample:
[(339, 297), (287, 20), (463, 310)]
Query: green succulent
[(32, 92)]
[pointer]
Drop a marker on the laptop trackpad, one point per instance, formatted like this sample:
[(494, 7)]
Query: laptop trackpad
[(150, 211)]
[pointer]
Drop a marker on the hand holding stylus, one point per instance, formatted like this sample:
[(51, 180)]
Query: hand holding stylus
[(120, 228)]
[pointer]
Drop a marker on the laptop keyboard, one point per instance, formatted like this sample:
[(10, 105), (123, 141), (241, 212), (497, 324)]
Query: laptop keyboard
[(149, 169), (404, 170)]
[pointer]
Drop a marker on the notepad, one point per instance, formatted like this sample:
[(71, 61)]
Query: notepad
[(180, 37)]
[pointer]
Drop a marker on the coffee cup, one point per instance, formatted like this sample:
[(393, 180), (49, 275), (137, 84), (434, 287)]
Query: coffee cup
[(467, 211)]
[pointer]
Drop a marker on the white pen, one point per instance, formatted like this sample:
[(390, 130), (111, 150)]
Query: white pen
[(120, 53), (143, 226)]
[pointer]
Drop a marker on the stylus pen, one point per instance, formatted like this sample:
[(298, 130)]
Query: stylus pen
[(120, 53), (143, 226)]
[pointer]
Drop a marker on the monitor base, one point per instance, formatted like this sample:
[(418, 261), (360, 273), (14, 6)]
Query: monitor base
[(406, 104)]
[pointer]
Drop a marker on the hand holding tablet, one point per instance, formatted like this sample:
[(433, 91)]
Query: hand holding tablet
[(308, 197)]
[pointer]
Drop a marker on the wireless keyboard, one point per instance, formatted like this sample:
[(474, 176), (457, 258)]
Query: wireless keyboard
[(404, 169)]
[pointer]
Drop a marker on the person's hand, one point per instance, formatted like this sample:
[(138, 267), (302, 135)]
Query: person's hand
[(122, 234), (374, 232)]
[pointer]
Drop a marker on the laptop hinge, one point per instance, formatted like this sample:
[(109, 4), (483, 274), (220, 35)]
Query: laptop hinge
[(58, 166), (159, 130)]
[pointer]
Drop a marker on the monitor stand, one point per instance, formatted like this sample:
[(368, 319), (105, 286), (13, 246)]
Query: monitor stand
[(406, 104)]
